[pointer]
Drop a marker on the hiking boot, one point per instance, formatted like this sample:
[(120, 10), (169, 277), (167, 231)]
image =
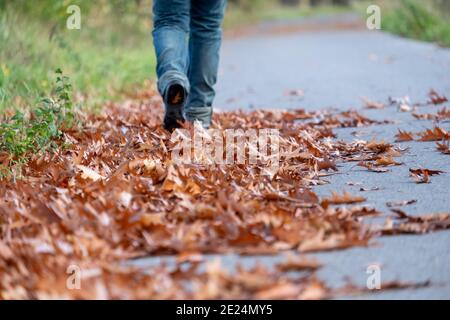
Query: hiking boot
[(174, 101)]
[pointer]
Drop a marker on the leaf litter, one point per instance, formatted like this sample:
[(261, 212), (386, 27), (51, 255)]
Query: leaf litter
[(115, 194)]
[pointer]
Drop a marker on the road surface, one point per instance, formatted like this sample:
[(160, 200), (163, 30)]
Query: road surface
[(335, 67)]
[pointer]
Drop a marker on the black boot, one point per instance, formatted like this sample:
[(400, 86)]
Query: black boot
[(174, 101)]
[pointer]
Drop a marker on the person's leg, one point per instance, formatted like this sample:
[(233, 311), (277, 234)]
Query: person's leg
[(171, 20), (204, 46)]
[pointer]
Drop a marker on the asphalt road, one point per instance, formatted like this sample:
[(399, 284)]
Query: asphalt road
[(334, 69)]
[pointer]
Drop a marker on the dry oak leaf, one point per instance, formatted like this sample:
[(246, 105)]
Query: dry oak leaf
[(189, 257), (298, 264), (415, 224), (443, 147), (372, 104), (326, 164), (371, 167), (386, 161), (279, 292), (332, 242), (425, 116), (435, 134), (314, 291), (423, 175), (5, 251), (152, 219), (88, 173), (443, 114), (378, 147), (436, 98), (403, 136), (345, 198), (351, 289)]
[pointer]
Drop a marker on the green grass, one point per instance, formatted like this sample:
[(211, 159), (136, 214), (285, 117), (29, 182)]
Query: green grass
[(103, 59), (423, 20)]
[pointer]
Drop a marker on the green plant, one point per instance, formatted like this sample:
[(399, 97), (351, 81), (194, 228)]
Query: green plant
[(22, 136), (418, 19)]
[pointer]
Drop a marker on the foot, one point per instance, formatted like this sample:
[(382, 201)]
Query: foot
[(174, 101), (201, 114)]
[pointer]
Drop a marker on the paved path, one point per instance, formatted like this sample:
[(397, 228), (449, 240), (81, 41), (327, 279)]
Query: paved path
[(335, 69)]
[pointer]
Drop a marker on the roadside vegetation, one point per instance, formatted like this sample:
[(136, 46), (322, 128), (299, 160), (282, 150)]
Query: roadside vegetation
[(33, 132), (418, 19)]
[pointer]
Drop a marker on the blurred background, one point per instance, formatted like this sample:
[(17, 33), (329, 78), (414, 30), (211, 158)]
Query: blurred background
[(112, 54)]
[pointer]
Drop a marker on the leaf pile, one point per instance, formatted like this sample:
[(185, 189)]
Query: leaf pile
[(116, 194)]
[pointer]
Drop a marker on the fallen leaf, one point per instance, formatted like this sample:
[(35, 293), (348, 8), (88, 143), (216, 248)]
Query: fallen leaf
[(435, 134), (436, 98), (415, 224), (371, 167), (279, 292), (443, 147), (429, 172), (403, 136), (298, 264), (372, 104), (386, 161), (345, 198), (88, 173)]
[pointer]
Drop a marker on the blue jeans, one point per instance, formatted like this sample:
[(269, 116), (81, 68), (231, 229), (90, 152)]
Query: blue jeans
[(187, 36)]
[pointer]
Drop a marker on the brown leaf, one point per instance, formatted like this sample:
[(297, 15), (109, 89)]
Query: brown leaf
[(298, 264), (372, 104), (326, 164), (443, 114), (88, 173), (403, 136), (5, 252), (279, 292), (426, 116), (435, 134), (443, 147), (314, 291), (386, 161), (345, 198), (423, 175), (371, 167), (416, 224), (333, 242), (428, 172), (436, 98)]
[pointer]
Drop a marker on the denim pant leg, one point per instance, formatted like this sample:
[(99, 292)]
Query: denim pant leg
[(171, 20), (204, 47)]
